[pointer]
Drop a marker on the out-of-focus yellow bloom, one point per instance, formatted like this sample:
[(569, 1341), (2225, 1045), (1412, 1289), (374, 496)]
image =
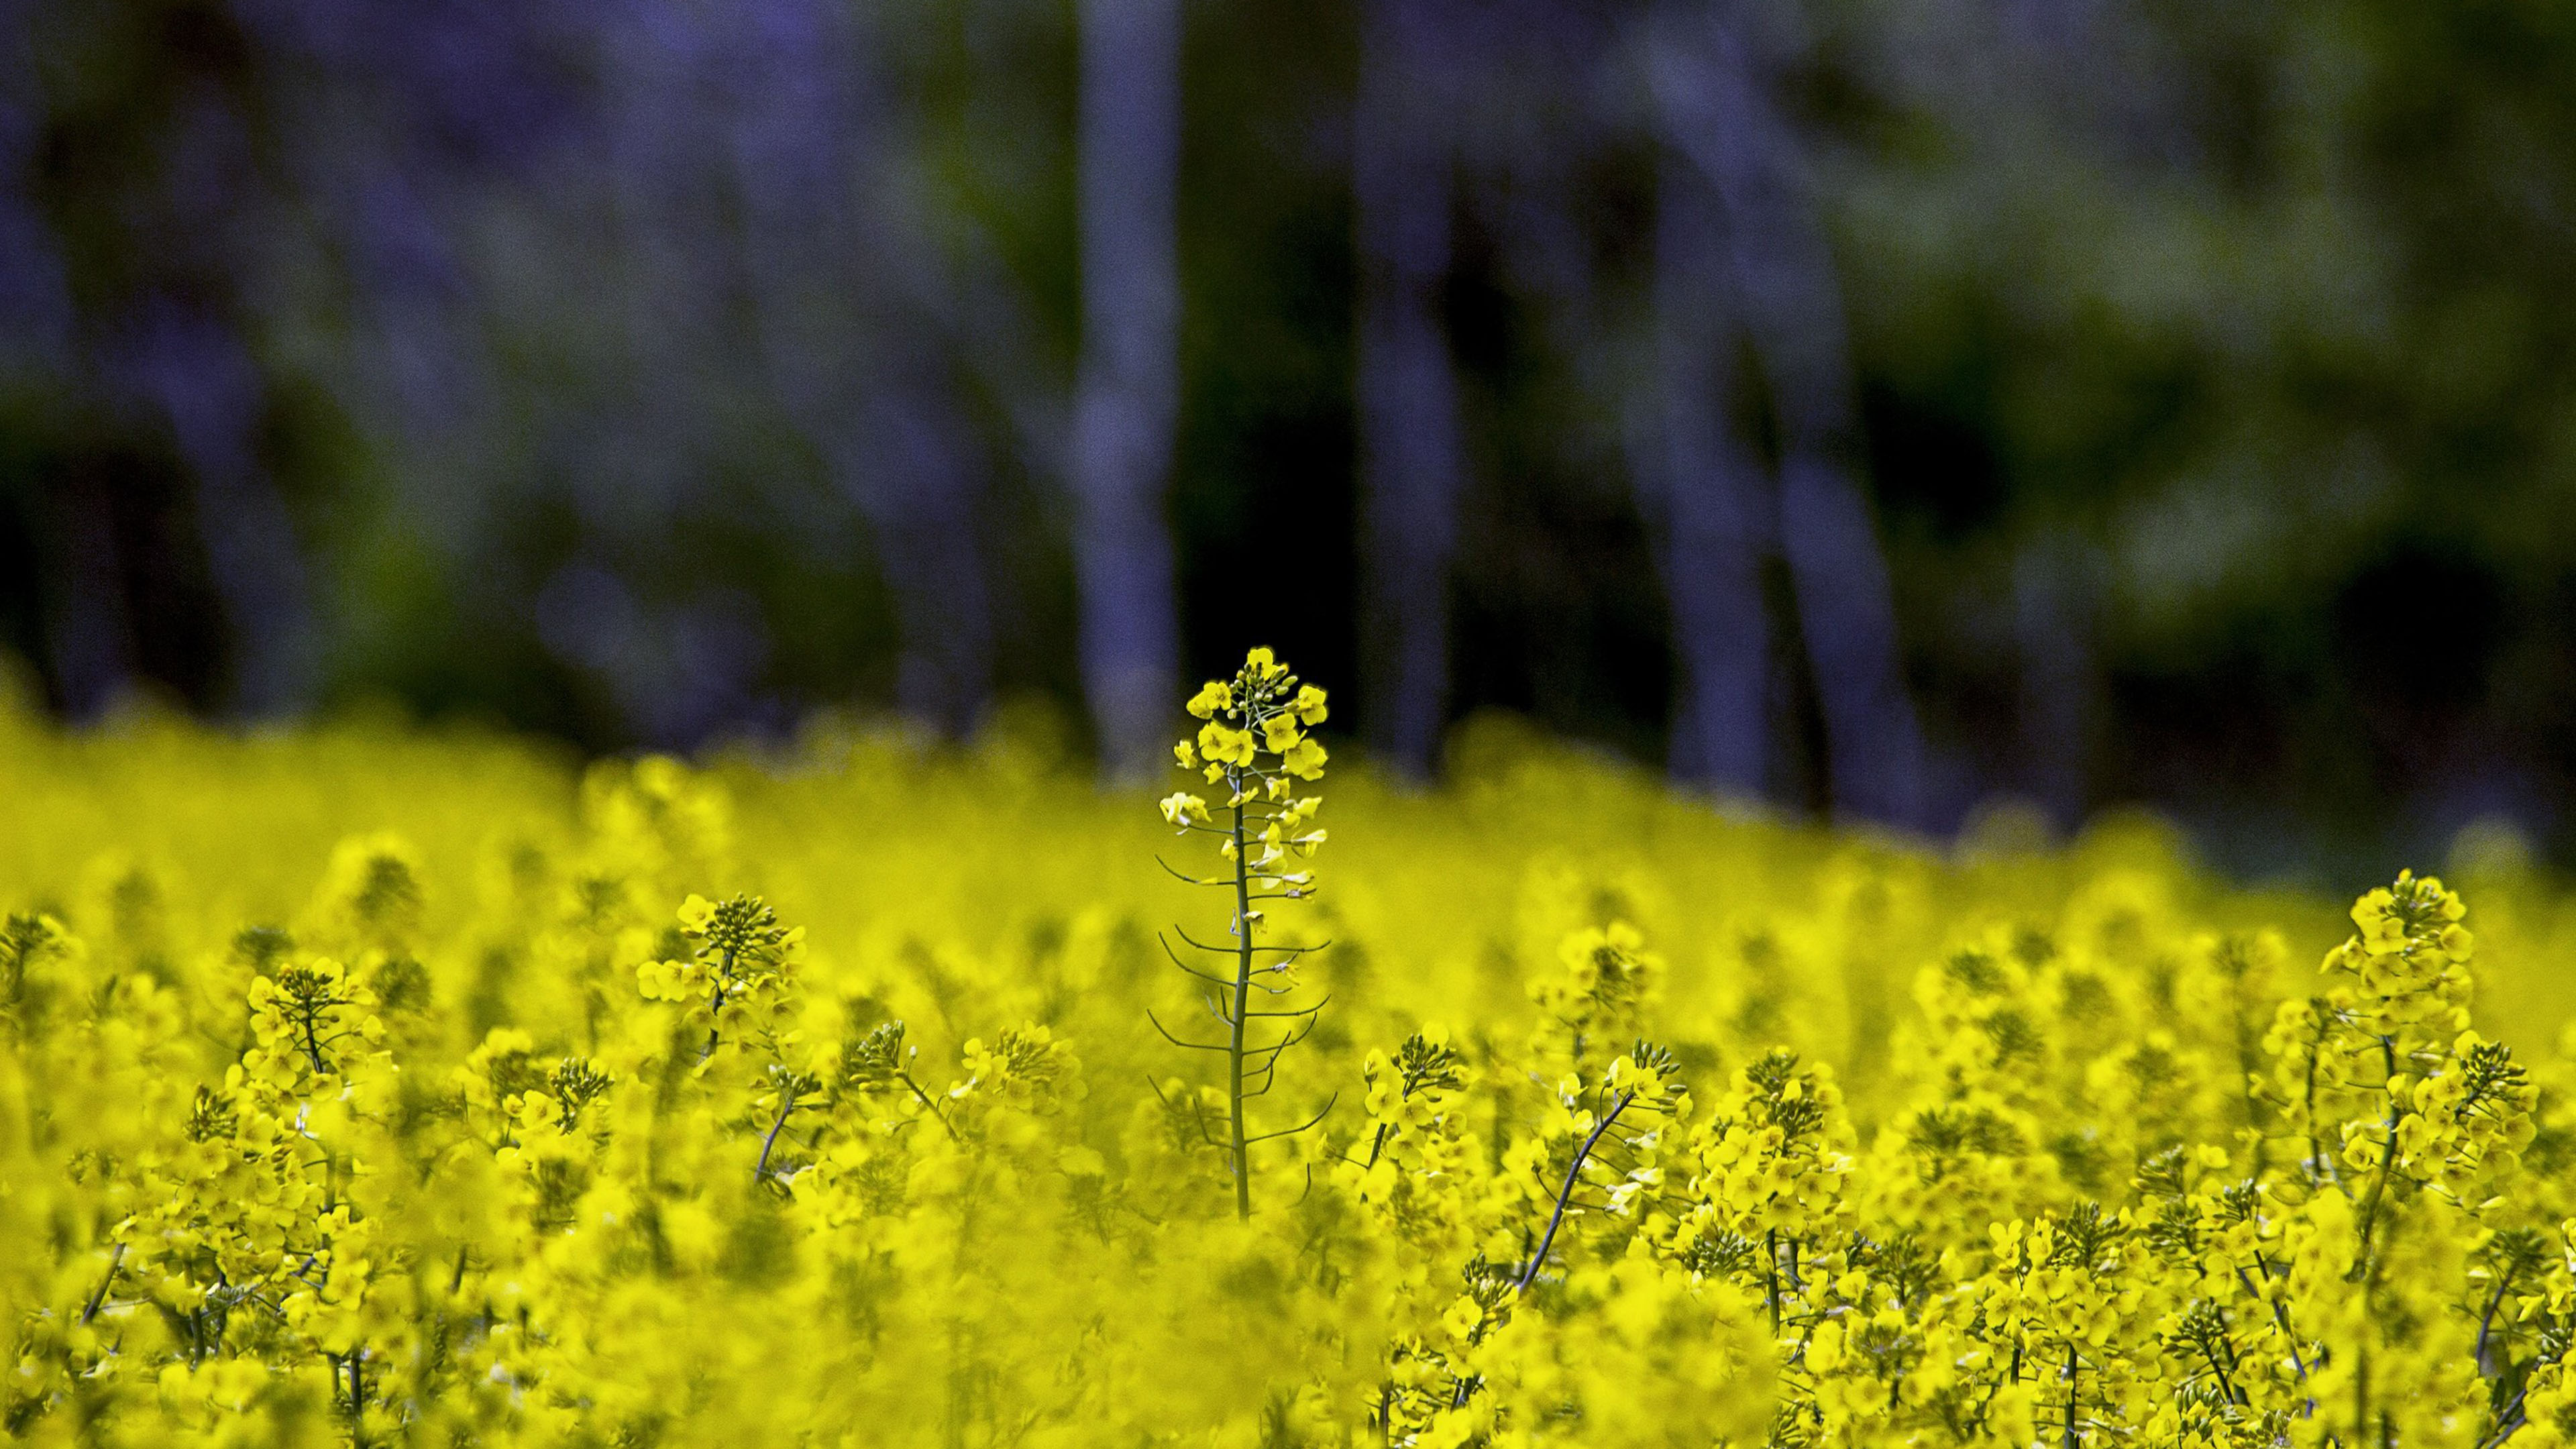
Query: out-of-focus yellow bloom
[(358, 1085)]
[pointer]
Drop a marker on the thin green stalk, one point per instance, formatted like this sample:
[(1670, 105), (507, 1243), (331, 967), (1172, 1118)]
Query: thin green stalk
[(1771, 1274), (1242, 1005), (116, 1260), (931, 1107), (786, 1106), (1565, 1194), (2280, 1316), (2486, 1319), (715, 1003), (2072, 1439), (2387, 1154)]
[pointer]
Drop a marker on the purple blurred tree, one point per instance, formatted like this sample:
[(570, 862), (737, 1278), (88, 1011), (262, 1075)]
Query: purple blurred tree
[(1128, 393), (1719, 118), (1709, 498), (1412, 464)]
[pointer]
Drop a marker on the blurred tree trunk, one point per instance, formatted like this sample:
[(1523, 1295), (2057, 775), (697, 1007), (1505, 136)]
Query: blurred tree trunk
[(846, 293), (1722, 120), (1127, 395), (162, 198), (1709, 499), (80, 596), (87, 631), (1411, 463), (35, 302), (2053, 588), (195, 371), (182, 347), (907, 467)]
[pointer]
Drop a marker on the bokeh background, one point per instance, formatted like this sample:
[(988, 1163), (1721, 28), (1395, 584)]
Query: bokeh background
[(1875, 408)]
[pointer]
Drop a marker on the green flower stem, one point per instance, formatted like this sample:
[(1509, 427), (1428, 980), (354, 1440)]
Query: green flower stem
[(1242, 1006)]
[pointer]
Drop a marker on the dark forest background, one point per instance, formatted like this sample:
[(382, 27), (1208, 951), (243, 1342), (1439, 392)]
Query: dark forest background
[(1875, 407)]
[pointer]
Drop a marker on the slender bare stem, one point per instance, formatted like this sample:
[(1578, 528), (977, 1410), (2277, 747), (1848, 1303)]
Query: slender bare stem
[(1242, 999), (1573, 1179)]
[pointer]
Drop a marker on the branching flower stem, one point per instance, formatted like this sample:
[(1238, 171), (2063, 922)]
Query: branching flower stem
[(930, 1106), (716, 1002), (115, 1261), (1565, 1193), (2486, 1320), (2280, 1316), (786, 1107)]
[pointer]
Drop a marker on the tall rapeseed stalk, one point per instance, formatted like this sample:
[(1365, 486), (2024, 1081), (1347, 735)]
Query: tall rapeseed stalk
[(1254, 743)]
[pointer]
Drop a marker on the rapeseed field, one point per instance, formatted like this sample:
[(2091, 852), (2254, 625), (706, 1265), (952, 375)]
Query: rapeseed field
[(371, 1085)]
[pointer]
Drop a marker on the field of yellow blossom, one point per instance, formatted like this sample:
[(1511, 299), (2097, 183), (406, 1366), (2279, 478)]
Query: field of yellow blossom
[(373, 1085)]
